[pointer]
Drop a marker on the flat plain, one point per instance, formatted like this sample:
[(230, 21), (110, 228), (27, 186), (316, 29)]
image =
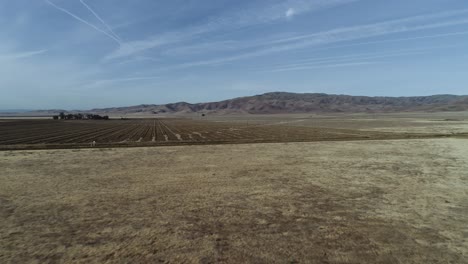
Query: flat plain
[(42, 133), (347, 200)]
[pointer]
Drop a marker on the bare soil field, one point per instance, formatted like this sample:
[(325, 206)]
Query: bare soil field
[(425, 123), (389, 201), (43, 134)]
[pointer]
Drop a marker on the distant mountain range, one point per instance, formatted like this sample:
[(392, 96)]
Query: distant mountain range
[(282, 102)]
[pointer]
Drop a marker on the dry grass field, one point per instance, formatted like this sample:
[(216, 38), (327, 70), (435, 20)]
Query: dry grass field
[(378, 201)]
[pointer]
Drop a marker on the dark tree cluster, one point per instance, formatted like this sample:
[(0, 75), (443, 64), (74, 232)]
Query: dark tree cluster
[(64, 116)]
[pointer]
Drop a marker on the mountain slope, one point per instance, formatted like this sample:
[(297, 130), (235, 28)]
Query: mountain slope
[(281, 102)]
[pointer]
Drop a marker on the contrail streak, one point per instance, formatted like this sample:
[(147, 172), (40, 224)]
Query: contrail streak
[(84, 21), (311, 67), (101, 20), (129, 79), (396, 52), (338, 60), (22, 54), (460, 33), (342, 59)]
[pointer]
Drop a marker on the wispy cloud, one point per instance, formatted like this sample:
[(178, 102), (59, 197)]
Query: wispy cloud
[(136, 59), (21, 55), (460, 33), (235, 21), (277, 12), (386, 27), (363, 56), (199, 48), (318, 62), (120, 80), (290, 12), (341, 35), (131, 48), (326, 66), (84, 21)]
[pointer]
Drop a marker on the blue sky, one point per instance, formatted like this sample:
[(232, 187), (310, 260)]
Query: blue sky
[(78, 54)]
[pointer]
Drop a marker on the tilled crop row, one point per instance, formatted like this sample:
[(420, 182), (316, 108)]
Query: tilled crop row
[(76, 133)]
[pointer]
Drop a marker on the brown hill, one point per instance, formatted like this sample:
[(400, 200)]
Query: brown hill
[(282, 102)]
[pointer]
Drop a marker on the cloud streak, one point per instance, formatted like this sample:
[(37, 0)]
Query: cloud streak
[(338, 60), (100, 19), (121, 80), (314, 63), (239, 20), (459, 33), (397, 25), (340, 35), (326, 66), (22, 55), (83, 21)]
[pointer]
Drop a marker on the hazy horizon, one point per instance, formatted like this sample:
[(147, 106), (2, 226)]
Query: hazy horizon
[(84, 54)]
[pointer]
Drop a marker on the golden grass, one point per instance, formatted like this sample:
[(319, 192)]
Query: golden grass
[(399, 201)]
